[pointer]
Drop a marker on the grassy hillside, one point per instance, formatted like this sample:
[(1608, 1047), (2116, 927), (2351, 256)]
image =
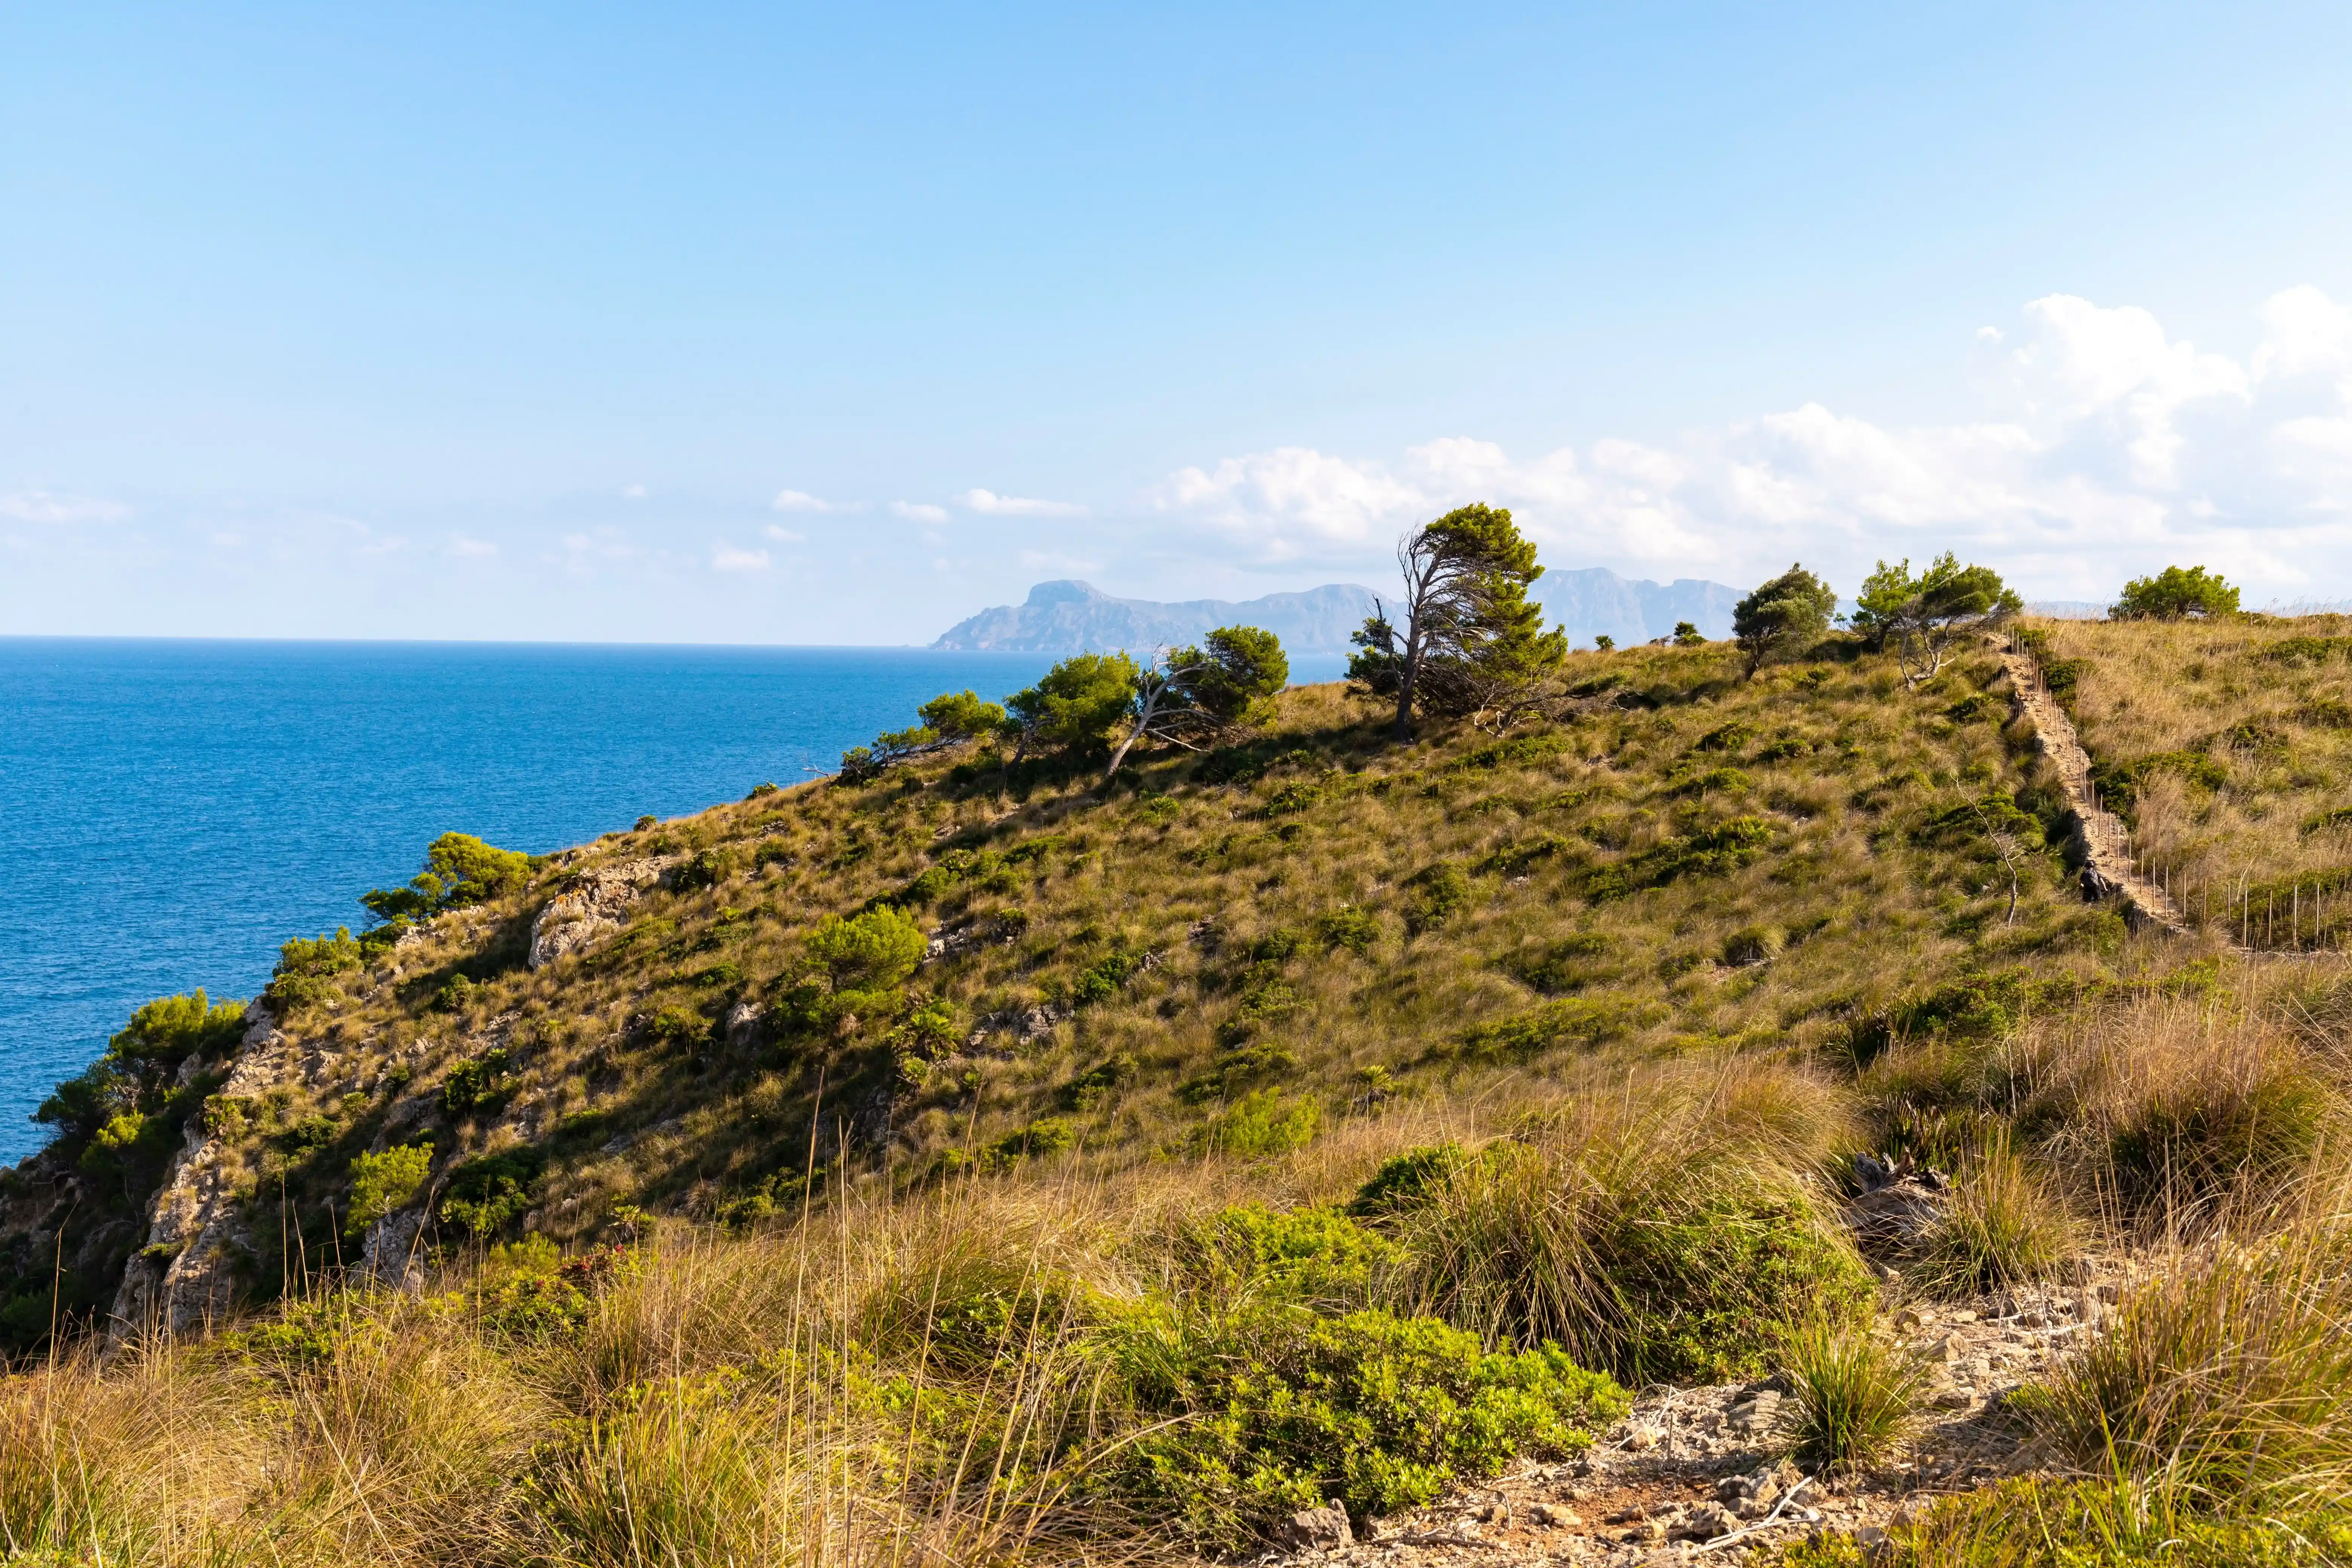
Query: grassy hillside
[(1057, 1130), (2227, 746)]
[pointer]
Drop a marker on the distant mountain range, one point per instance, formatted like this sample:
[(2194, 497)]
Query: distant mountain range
[(1077, 617)]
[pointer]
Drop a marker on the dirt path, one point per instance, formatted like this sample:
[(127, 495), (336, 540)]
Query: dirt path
[(2105, 841)]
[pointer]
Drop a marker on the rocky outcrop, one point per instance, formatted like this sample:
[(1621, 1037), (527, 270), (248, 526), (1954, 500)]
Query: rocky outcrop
[(185, 1274), (389, 1257), (592, 904)]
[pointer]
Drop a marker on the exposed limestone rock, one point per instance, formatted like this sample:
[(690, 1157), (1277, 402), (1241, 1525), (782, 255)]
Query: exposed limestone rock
[(184, 1276), (389, 1255), (592, 905), (740, 1027)]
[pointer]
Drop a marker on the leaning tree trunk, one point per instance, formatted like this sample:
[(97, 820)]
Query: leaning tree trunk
[(1142, 724), (1405, 676)]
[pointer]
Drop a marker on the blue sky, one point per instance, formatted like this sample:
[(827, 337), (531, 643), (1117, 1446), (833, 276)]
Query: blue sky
[(834, 324)]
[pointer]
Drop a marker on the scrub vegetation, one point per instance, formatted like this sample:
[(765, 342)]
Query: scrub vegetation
[(981, 1155)]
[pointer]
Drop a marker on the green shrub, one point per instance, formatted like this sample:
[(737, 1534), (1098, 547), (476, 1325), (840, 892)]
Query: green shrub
[(308, 968), (2176, 593), (869, 952), (1102, 979), (484, 1195), (459, 868), (1260, 1125), (170, 1030), (482, 1081), (1853, 1394), (1406, 1181), (1565, 965), (1046, 1136), (1318, 1256), (1286, 1409), (1438, 893), (1676, 1247), (383, 1183), (705, 868), (1348, 927), (677, 1026), (1568, 1021)]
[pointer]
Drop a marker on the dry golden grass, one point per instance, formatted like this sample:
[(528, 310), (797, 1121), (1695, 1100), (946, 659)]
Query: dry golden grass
[(2262, 708)]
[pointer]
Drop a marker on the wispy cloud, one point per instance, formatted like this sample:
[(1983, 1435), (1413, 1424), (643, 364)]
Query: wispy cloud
[(633, 492), (801, 500), (727, 558), (56, 507), (784, 535), (920, 512), (994, 505), (472, 548)]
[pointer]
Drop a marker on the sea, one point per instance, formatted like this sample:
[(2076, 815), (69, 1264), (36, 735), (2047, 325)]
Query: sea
[(171, 811)]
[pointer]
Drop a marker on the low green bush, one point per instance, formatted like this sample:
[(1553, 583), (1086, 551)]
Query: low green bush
[(1437, 894), (1285, 1410), (1259, 1124), (383, 1181), (484, 1195), (1317, 1256), (1678, 1247)]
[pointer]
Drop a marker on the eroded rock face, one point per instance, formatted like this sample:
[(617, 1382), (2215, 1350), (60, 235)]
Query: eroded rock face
[(591, 906), (184, 1277), (389, 1257)]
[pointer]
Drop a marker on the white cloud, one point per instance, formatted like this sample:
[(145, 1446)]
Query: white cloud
[(920, 512), (633, 492), (2105, 448), (801, 500), (227, 541), (727, 558), (994, 505), (473, 548), (784, 535), (51, 507), (1294, 498)]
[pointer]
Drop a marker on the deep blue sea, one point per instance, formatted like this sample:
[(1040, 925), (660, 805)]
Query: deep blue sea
[(171, 811)]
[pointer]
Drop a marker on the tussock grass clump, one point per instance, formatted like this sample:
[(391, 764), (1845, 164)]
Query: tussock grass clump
[(2228, 1380), (2183, 1110), (2006, 1225), (1665, 1232), (2038, 1522), (1854, 1395)]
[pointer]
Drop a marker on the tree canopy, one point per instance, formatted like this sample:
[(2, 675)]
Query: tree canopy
[(1924, 615), (2176, 594), (1782, 617), (960, 716), (459, 868), (1195, 696), (1471, 641), (1075, 706)]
